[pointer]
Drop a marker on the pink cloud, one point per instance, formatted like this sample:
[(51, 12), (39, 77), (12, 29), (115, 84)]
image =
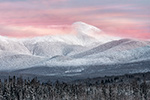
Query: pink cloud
[(30, 31), (48, 2), (129, 31), (22, 15)]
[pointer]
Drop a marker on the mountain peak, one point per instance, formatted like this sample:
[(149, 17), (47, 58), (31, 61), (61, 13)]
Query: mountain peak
[(81, 27)]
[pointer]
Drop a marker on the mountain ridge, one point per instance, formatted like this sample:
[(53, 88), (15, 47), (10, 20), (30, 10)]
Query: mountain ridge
[(79, 54)]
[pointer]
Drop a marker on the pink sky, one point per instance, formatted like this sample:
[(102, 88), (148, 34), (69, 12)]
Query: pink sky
[(30, 18)]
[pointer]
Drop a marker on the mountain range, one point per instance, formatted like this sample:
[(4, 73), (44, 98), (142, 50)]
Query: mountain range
[(86, 52)]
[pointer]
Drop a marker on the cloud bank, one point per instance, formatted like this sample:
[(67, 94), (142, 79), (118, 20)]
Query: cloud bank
[(29, 18)]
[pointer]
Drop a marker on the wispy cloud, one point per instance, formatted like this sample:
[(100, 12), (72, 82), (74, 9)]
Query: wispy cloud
[(30, 31), (33, 17)]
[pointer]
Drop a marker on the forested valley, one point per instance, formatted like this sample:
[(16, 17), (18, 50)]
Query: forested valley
[(123, 87)]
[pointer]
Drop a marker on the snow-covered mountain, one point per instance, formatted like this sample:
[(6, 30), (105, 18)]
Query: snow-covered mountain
[(86, 45)]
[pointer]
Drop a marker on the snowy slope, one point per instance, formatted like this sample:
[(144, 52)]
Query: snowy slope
[(19, 61), (11, 45), (122, 51), (50, 49)]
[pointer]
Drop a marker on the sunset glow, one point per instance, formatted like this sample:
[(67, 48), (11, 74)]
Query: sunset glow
[(30, 18)]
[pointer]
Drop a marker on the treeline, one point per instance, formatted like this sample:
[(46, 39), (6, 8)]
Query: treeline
[(104, 89), (127, 78)]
